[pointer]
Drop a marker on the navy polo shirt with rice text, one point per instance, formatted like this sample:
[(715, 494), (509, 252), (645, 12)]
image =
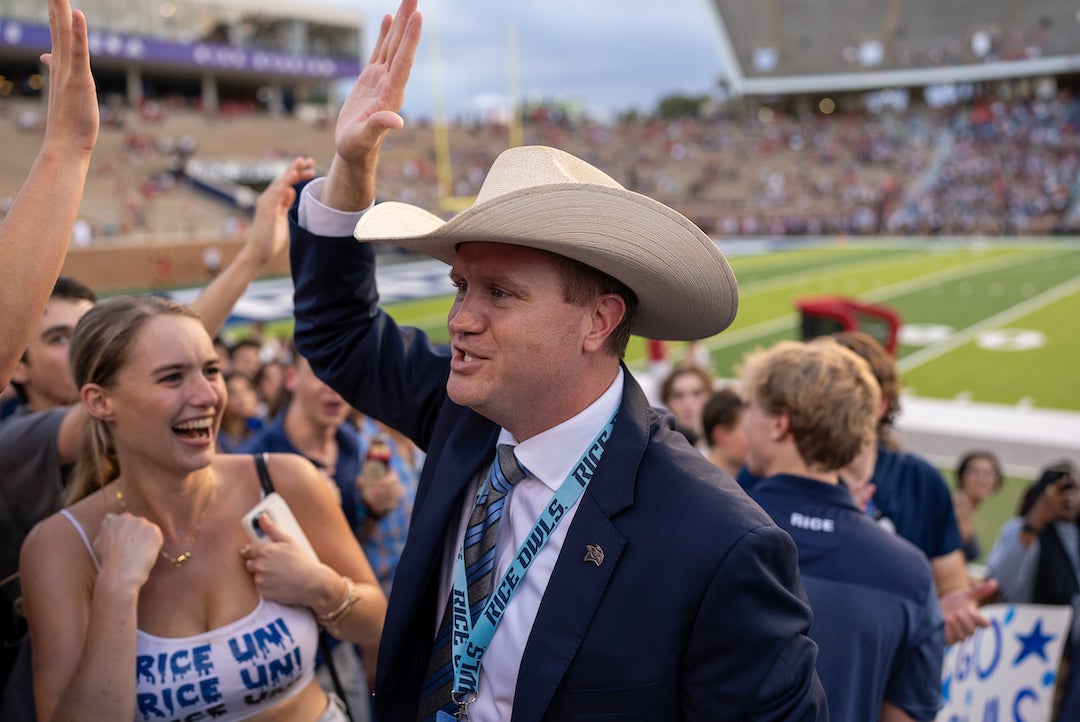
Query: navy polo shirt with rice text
[(877, 622)]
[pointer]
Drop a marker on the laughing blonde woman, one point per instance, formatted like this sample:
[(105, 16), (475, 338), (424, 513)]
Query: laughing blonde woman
[(146, 599)]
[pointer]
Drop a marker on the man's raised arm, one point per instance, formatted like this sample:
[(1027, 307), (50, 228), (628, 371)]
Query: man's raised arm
[(370, 111)]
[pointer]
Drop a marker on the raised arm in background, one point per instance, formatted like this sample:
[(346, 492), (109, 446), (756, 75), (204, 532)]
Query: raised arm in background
[(269, 234), (370, 112), (35, 233)]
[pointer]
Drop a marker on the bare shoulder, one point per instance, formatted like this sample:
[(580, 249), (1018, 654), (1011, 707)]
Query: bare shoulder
[(48, 537), (238, 480), (293, 474), (56, 549)]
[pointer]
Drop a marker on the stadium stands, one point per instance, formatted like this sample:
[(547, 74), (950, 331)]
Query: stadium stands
[(1004, 163), (991, 167), (852, 36)]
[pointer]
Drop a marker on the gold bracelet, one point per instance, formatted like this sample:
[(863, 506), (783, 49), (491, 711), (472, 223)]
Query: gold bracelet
[(330, 618)]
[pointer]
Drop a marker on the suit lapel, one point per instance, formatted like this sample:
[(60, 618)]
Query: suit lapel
[(571, 599), (466, 450), (577, 584)]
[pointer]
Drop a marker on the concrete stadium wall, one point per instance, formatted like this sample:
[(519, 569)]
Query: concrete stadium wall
[(115, 269)]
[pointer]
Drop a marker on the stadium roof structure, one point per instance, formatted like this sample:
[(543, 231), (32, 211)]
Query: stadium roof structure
[(786, 47), (288, 46), (315, 10)]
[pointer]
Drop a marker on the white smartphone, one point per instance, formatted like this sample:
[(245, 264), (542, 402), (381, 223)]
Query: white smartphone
[(275, 507)]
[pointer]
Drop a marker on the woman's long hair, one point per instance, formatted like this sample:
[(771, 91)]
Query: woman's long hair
[(100, 347)]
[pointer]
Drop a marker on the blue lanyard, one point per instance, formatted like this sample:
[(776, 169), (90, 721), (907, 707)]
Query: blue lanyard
[(470, 643)]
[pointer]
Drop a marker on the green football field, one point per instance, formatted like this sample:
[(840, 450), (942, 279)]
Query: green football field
[(989, 321)]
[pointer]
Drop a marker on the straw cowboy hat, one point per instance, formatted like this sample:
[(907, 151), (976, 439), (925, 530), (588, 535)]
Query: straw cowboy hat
[(544, 198)]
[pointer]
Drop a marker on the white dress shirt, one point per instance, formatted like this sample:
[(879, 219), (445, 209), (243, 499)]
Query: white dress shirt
[(550, 457)]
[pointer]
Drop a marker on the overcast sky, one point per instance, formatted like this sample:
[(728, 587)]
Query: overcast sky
[(608, 55)]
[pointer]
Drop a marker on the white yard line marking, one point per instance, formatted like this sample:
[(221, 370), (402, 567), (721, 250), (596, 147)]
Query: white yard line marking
[(773, 325), (1007, 316), (823, 271)]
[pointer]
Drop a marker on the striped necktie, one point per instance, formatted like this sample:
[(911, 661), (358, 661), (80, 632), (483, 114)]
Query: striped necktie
[(479, 568)]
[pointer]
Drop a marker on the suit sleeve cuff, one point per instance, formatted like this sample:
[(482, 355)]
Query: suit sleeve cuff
[(320, 219)]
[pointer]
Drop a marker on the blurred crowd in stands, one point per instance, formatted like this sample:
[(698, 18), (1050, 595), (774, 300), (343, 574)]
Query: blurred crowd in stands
[(988, 167), (992, 168)]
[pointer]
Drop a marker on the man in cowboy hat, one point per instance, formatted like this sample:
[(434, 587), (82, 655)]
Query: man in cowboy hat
[(630, 578)]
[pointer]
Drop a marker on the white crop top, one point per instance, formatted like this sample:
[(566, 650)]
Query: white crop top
[(225, 674)]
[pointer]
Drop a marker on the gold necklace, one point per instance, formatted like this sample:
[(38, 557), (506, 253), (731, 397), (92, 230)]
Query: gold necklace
[(182, 559)]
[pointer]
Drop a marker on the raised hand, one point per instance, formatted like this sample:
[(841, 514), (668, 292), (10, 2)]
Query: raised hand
[(72, 120), (268, 235), (270, 227), (370, 111)]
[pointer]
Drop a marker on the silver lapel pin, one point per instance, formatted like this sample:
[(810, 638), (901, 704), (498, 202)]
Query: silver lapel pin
[(594, 554)]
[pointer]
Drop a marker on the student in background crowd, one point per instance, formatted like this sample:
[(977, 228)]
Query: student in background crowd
[(911, 494), (315, 423), (1036, 560), (723, 429), (37, 450), (684, 392), (907, 494), (978, 476), (812, 410), (270, 387), (240, 420), (245, 357)]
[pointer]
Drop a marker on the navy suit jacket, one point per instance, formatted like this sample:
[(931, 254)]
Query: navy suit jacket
[(697, 611)]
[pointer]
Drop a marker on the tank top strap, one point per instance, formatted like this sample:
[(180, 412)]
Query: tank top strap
[(82, 533)]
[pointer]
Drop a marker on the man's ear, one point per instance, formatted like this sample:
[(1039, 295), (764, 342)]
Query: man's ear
[(607, 312), (96, 401), (290, 378), (779, 427)]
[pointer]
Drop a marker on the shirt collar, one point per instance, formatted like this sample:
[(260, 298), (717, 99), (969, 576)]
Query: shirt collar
[(800, 486), (551, 455)]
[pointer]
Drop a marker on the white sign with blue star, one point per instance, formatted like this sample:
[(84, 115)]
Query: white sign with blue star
[(1007, 671)]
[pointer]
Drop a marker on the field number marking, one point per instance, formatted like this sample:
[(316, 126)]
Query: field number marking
[(994, 322), (1011, 339)]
